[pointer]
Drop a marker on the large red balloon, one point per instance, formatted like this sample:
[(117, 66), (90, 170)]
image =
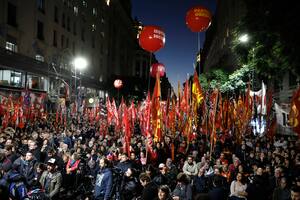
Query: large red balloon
[(157, 68), (198, 18), (152, 38), (118, 83)]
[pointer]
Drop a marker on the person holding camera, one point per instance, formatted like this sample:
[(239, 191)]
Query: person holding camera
[(104, 181)]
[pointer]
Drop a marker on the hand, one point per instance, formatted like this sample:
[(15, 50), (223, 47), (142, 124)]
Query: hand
[(176, 198)]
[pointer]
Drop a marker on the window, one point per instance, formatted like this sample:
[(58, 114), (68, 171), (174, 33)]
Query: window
[(84, 3), (36, 82), (93, 27), (40, 58), (11, 47), (56, 14), (41, 5), (11, 14), (11, 78), (94, 11), (75, 9), (102, 34), (40, 30), (63, 20), (62, 41), (54, 38), (82, 34), (74, 28)]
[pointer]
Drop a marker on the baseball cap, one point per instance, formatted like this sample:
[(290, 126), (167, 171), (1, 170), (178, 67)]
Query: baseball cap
[(51, 161), (161, 165)]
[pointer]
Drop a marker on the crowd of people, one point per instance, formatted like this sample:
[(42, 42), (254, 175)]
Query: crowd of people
[(48, 161)]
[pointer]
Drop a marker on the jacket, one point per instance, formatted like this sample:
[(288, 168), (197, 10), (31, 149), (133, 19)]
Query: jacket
[(55, 181), (103, 185)]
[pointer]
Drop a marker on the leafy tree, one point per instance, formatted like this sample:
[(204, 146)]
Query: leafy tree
[(273, 47)]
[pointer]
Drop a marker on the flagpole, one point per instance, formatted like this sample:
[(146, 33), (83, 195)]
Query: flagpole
[(149, 77), (198, 53), (213, 128)]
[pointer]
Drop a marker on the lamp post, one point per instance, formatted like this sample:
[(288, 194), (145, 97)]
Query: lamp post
[(79, 63)]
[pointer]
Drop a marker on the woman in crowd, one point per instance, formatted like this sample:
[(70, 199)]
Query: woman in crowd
[(238, 188), (164, 193)]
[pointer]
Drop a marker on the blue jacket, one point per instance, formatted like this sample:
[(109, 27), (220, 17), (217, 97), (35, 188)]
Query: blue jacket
[(103, 185)]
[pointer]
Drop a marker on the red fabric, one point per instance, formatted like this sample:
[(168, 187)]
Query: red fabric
[(75, 165)]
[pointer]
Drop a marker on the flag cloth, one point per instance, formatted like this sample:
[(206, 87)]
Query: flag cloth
[(197, 94), (127, 131), (294, 113), (156, 110)]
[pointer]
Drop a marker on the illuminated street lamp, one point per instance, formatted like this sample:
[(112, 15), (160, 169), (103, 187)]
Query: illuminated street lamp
[(79, 63), (244, 38)]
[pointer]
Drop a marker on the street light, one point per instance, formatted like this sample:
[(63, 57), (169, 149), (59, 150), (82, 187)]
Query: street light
[(244, 38), (79, 63)]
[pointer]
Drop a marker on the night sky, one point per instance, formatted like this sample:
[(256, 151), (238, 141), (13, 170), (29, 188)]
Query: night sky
[(181, 45)]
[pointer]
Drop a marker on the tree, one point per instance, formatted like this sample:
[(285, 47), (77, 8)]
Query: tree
[(274, 44)]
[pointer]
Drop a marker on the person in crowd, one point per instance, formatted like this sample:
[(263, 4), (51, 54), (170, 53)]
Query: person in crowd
[(282, 192), (129, 185), (124, 163), (150, 188), (238, 188), (217, 192), (256, 190), (104, 181), (295, 193), (51, 180), (190, 167), (200, 184), (28, 167), (164, 193), (161, 178), (183, 189)]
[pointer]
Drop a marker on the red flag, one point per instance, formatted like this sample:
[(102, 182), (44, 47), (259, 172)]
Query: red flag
[(184, 104), (156, 110), (109, 111), (294, 117), (127, 131), (197, 94)]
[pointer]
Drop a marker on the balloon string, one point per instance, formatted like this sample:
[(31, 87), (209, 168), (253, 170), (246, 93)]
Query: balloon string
[(150, 60)]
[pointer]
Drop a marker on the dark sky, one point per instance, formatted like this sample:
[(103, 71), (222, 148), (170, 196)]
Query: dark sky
[(181, 45)]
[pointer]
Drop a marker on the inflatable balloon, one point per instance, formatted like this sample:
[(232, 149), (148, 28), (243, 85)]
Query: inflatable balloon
[(152, 38), (198, 18), (157, 68), (118, 83)]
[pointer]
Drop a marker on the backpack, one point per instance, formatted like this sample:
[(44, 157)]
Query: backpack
[(17, 190)]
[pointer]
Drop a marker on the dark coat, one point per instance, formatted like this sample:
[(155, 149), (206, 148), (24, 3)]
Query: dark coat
[(150, 191), (103, 185)]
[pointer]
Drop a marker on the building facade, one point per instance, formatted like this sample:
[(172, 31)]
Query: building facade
[(216, 51)]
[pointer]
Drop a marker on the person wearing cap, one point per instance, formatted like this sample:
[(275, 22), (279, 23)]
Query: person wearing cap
[(51, 180), (161, 178)]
